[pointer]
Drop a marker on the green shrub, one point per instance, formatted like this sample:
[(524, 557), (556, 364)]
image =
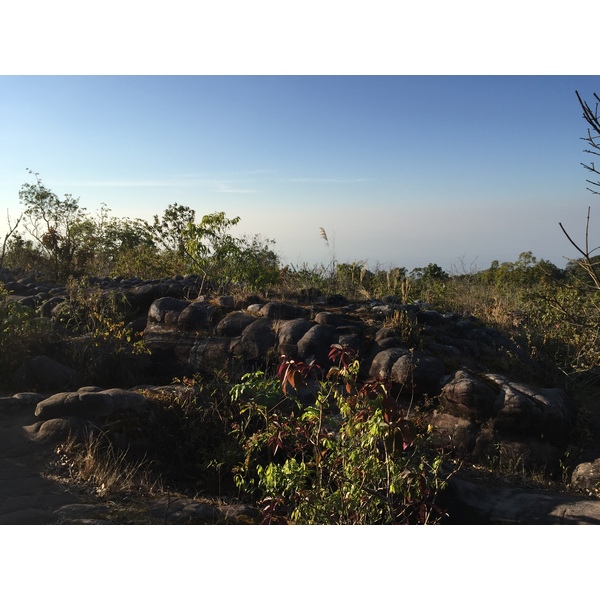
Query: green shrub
[(95, 338), (23, 334), (350, 458)]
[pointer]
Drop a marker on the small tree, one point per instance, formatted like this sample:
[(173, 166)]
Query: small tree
[(223, 258), (61, 227), (169, 231)]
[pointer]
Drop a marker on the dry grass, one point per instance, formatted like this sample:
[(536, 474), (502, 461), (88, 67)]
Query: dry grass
[(104, 471)]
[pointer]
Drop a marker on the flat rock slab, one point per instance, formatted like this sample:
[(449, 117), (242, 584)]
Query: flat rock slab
[(481, 504), (26, 496), (186, 511)]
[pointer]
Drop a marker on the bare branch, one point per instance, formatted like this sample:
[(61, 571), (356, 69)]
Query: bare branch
[(587, 264), (593, 137), (11, 230)]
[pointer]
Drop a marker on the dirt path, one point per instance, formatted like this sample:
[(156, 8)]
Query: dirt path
[(26, 496)]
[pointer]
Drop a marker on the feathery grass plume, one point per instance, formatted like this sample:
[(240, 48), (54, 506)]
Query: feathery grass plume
[(324, 236)]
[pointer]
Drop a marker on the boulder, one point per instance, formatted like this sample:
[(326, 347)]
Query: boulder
[(417, 373), (333, 319), (210, 353), (290, 332), (350, 337), (527, 410), (315, 344), (91, 405), (197, 316), (453, 432), (142, 296), (471, 503), (586, 477), (58, 430), (256, 341), (465, 396), (166, 311), (234, 323), (123, 416), (282, 311), (381, 365)]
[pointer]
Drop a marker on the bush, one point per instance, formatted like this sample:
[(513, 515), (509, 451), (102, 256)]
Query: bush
[(23, 334), (351, 458)]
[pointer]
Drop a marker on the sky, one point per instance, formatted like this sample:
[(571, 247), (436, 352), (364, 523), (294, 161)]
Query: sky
[(398, 170)]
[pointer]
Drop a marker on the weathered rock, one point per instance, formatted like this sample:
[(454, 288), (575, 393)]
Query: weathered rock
[(255, 308), (530, 455), (350, 337), (586, 476), (225, 301), (19, 401), (91, 405), (315, 344), (142, 296), (468, 502), (447, 350), (59, 429), (465, 396), (455, 433), (280, 310), (386, 344), (385, 333), (256, 340), (183, 511), (197, 316), (291, 332), (418, 373), (430, 317), (234, 323), (333, 319), (524, 409), (166, 310), (138, 325), (336, 300), (381, 366), (211, 353)]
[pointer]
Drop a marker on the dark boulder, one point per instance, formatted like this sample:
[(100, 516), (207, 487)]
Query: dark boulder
[(465, 396), (381, 365), (418, 373), (234, 323), (257, 340), (586, 477), (290, 332), (197, 316), (452, 432), (315, 345), (531, 411), (166, 310), (209, 353), (280, 310)]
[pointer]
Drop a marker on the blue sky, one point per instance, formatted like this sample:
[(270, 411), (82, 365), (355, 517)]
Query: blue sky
[(399, 170)]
